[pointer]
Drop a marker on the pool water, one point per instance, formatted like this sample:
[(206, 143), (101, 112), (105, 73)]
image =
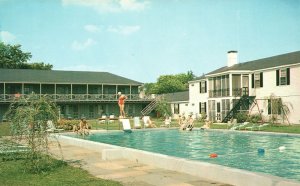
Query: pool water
[(234, 149)]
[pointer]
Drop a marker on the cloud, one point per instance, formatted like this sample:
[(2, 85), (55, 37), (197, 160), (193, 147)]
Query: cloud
[(76, 45), (109, 5), (124, 30), (7, 37), (92, 28)]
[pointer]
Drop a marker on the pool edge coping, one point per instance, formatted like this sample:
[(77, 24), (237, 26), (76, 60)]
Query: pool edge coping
[(201, 169)]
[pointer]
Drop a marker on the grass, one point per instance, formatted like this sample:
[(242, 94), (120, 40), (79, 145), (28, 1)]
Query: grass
[(11, 173)]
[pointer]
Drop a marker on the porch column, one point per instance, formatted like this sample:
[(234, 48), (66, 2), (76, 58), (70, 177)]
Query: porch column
[(230, 85)]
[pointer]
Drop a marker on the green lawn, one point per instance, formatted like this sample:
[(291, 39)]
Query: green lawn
[(11, 173)]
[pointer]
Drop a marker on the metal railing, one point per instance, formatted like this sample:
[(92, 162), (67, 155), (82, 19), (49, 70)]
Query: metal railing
[(218, 93), (76, 97)]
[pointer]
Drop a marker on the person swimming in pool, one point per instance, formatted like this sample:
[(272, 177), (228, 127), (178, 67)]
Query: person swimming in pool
[(121, 103)]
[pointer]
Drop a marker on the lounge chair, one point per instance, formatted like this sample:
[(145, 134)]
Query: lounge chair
[(103, 118), (146, 121), (137, 124), (263, 125), (167, 122), (52, 128), (235, 126), (111, 118), (241, 126), (254, 126), (126, 125)]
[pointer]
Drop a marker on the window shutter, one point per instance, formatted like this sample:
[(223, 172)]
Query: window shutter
[(269, 106), (205, 86), (252, 80), (200, 111), (205, 108), (261, 80), (288, 76), (277, 77), (200, 86)]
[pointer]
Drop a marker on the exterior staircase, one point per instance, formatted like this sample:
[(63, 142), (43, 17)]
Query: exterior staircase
[(151, 106), (243, 104)]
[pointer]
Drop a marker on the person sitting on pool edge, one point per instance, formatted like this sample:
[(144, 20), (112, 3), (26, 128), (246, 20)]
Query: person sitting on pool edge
[(83, 127), (188, 124)]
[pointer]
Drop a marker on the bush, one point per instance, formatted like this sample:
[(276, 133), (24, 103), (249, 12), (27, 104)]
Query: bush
[(255, 118), (241, 117)]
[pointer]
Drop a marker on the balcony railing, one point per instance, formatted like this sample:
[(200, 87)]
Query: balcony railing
[(76, 97), (236, 92), (219, 93)]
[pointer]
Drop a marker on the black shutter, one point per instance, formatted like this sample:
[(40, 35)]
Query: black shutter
[(288, 76), (277, 77), (200, 87), (261, 80), (200, 111), (269, 106), (205, 86), (205, 108), (252, 80)]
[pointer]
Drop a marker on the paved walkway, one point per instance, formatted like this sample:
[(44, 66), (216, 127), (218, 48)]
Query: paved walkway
[(127, 172)]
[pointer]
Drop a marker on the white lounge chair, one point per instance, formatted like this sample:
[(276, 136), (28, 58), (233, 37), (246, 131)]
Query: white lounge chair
[(52, 128), (126, 125), (146, 121), (263, 125), (167, 122), (137, 124), (103, 118), (111, 118)]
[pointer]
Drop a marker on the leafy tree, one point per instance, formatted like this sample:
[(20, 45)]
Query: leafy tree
[(169, 83), (12, 57), (163, 107), (28, 117)]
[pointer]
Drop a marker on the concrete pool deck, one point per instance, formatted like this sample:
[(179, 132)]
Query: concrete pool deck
[(146, 168), (129, 173)]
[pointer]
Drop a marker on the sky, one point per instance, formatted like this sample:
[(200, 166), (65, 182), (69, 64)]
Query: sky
[(144, 39)]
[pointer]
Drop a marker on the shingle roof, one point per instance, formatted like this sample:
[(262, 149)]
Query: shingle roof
[(177, 96), (275, 61), (56, 76)]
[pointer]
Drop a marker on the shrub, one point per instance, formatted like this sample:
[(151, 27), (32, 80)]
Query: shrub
[(241, 117), (255, 118)]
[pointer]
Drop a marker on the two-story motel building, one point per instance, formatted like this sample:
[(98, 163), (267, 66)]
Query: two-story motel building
[(216, 92), (77, 93)]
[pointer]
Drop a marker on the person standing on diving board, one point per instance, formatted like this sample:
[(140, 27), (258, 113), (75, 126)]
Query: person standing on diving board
[(121, 103)]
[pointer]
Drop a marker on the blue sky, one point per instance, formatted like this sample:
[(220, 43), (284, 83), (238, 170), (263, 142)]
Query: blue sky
[(143, 39)]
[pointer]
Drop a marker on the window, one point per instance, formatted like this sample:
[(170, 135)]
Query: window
[(202, 107), (283, 76), (176, 108), (257, 80), (203, 87)]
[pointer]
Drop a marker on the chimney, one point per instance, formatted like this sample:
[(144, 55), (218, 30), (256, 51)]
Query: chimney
[(232, 58)]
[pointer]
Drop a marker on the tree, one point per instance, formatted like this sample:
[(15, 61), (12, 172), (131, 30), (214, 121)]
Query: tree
[(163, 107), (169, 83), (12, 57), (28, 118)]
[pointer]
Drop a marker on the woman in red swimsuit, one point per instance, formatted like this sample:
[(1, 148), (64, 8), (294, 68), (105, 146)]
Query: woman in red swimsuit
[(121, 103)]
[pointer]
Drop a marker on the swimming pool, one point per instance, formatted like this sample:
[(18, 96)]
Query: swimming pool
[(234, 149)]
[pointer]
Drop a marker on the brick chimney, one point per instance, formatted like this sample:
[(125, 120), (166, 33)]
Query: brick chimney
[(232, 58)]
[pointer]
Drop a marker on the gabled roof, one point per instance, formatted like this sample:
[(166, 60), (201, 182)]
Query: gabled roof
[(56, 76), (270, 62), (177, 96)]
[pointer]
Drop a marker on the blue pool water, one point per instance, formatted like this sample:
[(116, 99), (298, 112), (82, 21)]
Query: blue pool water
[(235, 149)]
